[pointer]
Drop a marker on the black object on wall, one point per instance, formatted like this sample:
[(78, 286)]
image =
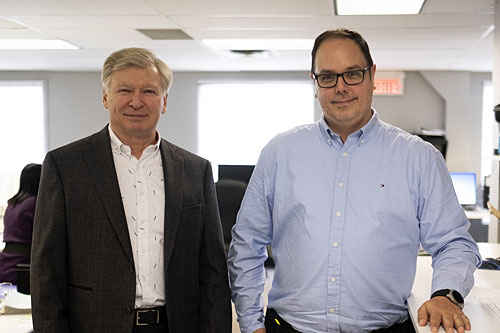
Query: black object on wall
[(438, 141)]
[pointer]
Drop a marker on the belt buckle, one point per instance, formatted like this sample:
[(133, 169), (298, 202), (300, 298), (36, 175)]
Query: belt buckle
[(144, 311)]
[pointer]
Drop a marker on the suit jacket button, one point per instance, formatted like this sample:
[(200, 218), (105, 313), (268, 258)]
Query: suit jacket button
[(129, 310), (131, 268)]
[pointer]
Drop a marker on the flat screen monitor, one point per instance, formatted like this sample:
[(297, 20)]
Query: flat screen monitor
[(236, 172), (465, 188)]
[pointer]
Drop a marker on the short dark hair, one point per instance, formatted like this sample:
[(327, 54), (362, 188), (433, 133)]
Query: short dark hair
[(28, 185), (345, 34)]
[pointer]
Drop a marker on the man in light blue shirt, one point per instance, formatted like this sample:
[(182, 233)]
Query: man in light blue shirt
[(345, 204)]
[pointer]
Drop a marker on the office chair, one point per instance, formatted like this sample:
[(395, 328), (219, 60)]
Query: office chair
[(229, 196), (230, 193), (23, 278)]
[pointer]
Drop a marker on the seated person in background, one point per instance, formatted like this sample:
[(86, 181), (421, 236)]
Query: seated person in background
[(18, 223)]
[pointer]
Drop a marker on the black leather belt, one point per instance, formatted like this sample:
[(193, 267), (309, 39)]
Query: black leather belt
[(17, 248), (151, 316)]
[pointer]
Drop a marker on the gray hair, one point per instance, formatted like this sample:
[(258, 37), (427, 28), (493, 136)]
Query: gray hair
[(135, 56)]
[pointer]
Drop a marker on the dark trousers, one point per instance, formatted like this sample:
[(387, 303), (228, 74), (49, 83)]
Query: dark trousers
[(160, 328), (404, 327), (275, 324)]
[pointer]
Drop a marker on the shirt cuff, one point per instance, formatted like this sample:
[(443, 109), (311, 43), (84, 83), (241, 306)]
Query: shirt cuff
[(251, 323)]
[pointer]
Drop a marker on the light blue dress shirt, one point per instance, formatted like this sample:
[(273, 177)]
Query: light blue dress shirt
[(345, 221)]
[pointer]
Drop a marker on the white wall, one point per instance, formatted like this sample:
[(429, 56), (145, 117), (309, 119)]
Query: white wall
[(462, 92), (181, 123), (452, 101), (421, 106)]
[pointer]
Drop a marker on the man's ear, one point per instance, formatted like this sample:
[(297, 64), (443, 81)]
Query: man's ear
[(372, 71), (104, 98), (314, 85), (164, 104)]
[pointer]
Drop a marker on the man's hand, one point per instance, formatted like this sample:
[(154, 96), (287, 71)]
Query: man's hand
[(440, 311), (260, 330)]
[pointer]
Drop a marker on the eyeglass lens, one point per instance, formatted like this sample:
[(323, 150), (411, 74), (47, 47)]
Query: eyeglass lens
[(350, 78)]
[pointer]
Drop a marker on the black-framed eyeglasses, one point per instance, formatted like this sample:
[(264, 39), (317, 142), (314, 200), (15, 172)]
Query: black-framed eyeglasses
[(351, 78)]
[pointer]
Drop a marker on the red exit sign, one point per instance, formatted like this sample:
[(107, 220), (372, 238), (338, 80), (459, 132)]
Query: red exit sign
[(389, 84)]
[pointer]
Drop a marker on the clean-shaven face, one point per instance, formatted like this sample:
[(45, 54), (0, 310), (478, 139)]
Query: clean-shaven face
[(135, 100)]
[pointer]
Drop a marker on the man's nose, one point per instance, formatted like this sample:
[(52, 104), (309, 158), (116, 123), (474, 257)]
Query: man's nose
[(341, 86), (136, 100)]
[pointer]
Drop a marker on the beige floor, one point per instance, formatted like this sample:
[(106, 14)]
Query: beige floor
[(267, 287)]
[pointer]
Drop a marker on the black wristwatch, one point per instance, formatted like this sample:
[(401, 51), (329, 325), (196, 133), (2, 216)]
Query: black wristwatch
[(453, 295)]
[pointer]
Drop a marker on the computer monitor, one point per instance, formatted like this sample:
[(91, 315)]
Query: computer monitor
[(465, 188), (236, 172)]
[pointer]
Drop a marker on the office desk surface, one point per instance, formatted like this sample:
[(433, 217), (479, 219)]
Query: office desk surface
[(483, 313), (478, 214), (18, 318), (16, 323)]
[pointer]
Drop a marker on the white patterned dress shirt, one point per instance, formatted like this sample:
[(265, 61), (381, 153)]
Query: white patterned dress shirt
[(142, 187)]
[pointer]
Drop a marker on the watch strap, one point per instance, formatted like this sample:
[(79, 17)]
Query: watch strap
[(453, 296)]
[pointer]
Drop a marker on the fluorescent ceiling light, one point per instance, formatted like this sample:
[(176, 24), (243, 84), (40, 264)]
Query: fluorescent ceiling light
[(378, 7), (36, 44), (259, 44)]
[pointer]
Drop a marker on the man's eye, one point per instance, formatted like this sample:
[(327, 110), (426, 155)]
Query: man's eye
[(328, 77), (149, 92), (353, 74)]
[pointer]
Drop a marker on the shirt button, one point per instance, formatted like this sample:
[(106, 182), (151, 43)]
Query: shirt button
[(344, 154), (332, 310), (332, 279), (362, 141), (335, 244), (338, 214), (341, 184)]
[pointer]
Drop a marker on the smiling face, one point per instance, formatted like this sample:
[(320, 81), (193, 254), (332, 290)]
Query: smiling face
[(135, 100), (346, 108)]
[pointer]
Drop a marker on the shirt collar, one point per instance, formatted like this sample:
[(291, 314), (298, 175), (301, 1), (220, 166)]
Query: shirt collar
[(117, 146), (365, 133)]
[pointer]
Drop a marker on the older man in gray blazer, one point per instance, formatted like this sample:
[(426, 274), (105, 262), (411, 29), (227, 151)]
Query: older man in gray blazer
[(127, 235)]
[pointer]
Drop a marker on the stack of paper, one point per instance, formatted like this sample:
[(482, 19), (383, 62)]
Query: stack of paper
[(16, 302)]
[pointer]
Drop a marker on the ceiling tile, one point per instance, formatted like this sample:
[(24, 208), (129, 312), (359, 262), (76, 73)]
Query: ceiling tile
[(244, 7), (254, 22), (76, 7), (459, 6), (85, 21)]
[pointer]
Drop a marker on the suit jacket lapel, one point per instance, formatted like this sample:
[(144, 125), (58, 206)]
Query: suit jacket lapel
[(173, 166), (102, 168)]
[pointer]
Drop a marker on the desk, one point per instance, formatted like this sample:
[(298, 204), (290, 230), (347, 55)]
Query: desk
[(478, 214), (16, 323), (483, 316), (19, 322)]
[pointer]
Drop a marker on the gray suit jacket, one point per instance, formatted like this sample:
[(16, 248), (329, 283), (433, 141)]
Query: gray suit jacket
[(82, 268)]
